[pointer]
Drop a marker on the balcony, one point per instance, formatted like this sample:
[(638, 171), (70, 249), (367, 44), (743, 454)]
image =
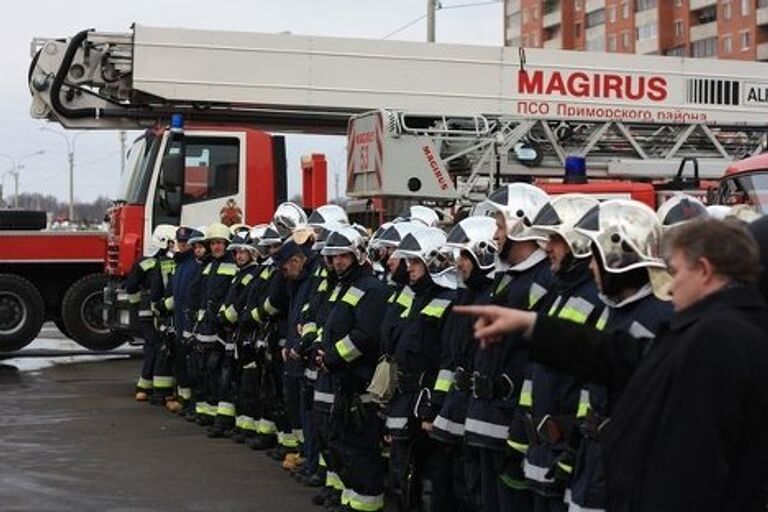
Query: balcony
[(649, 46), (762, 16), (552, 19), (593, 5), (762, 51), (695, 5), (704, 31)]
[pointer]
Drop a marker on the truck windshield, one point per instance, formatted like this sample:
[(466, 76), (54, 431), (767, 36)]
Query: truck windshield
[(750, 188), (138, 169)]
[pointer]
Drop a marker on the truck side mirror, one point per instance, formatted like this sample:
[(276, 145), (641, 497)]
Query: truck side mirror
[(173, 171)]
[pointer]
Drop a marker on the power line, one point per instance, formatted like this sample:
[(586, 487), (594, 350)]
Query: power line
[(440, 7), (409, 24)]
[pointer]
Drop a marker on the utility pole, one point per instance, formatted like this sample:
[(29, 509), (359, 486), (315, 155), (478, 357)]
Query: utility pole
[(15, 168), (336, 177), (122, 136), (71, 161), (431, 12)]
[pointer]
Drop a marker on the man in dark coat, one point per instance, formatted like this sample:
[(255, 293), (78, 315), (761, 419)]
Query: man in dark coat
[(690, 429)]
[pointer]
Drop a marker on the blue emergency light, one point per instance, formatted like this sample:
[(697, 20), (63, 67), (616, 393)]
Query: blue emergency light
[(575, 169), (177, 122)]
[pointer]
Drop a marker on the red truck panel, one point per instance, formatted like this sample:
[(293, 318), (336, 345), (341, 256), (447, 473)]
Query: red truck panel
[(52, 247)]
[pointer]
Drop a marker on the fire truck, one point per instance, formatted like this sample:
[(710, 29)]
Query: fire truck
[(436, 124)]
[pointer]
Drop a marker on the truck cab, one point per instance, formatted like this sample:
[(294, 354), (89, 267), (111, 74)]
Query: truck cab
[(745, 182)]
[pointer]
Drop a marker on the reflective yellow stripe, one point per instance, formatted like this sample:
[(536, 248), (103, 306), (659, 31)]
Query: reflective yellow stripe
[(266, 427), (436, 308), (332, 480), (323, 286), (227, 269), (364, 503), (321, 461), (305, 308), (226, 409), (308, 328), (603, 320), (207, 269), (160, 381), (583, 404), (185, 393), (266, 273), (255, 315), (231, 314), (200, 315), (168, 303), (353, 296), (134, 298), (148, 264), (347, 350), (535, 294), (503, 282), (405, 298), (269, 308), (247, 278), (526, 394), (576, 310), (289, 440), (335, 293), (167, 266), (518, 447), (565, 467), (392, 297), (444, 381), (144, 383)]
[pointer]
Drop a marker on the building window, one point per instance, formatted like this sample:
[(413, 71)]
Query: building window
[(647, 31), (595, 18), (704, 47), (678, 51), (745, 38), (577, 30), (625, 45), (745, 7), (679, 28), (612, 43), (727, 44), (707, 15), (727, 14), (644, 5), (625, 11), (611, 14)]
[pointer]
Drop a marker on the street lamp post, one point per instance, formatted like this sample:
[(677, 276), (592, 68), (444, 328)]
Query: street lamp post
[(14, 171), (71, 161)]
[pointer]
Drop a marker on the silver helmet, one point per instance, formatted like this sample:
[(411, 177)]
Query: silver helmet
[(428, 246), (560, 216), (322, 233), (519, 203), (679, 209), (475, 236), (270, 236), (287, 217), (328, 213), (345, 240), (627, 233), (421, 214)]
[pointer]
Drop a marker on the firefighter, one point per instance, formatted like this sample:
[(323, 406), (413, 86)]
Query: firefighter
[(377, 255), (229, 314), (216, 277), (626, 240), (416, 353), (163, 381), (265, 373), (177, 303), (246, 423), (138, 285), (473, 241), (498, 373), (688, 431), (350, 349), (552, 398)]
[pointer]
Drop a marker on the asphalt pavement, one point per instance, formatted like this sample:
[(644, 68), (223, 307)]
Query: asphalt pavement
[(73, 438)]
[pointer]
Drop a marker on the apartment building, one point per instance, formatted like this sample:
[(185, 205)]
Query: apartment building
[(724, 29)]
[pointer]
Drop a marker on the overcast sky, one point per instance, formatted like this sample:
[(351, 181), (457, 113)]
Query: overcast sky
[(97, 158)]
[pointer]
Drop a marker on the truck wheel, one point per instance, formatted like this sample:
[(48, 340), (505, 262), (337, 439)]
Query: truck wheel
[(23, 220), (81, 313), (61, 327), (22, 312)]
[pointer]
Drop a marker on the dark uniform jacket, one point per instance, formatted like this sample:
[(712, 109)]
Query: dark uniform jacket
[(690, 431), (215, 279)]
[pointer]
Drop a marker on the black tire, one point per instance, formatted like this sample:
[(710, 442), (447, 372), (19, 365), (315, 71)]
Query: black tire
[(81, 313), (23, 220), (22, 312)]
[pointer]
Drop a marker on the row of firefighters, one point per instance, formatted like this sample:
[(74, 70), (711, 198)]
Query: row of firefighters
[(336, 350)]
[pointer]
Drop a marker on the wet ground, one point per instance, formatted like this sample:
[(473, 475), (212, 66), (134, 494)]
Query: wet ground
[(72, 438)]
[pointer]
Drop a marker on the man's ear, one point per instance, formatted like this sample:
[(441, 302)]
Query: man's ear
[(707, 270)]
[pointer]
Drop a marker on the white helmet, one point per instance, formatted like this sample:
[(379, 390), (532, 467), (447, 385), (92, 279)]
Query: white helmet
[(345, 240), (270, 236), (519, 203), (328, 213), (428, 246), (257, 233), (679, 209), (421, 214), (162, 234), (218, 231), (718, 211), (560, 216), (323, 232), (627, 233), (475, 236), (239, 228), (287, 217), (198, 235)]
